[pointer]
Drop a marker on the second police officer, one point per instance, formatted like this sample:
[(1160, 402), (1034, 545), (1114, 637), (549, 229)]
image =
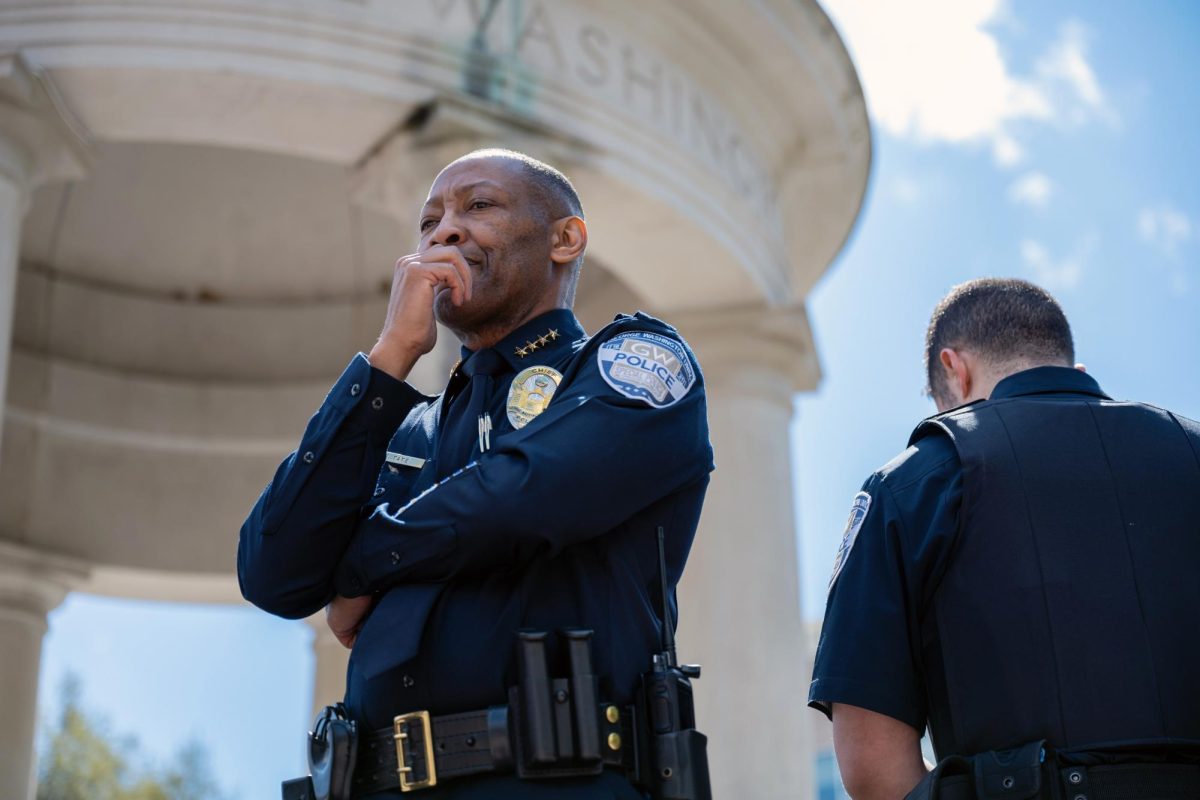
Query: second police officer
[(1021, 581)]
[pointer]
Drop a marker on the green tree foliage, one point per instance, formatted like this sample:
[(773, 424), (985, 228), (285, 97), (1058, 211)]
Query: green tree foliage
[(83, 760)]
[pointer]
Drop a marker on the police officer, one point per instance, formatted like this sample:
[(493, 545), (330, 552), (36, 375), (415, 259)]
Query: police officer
[(526, 496), (1022, 579)]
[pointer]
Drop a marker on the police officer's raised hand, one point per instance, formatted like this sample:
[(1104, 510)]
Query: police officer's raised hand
[(409, 330)]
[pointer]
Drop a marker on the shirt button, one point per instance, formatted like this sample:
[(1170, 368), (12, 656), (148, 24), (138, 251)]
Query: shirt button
[(395, 557), (355, 389), (408, 682), (308, 457), (377, 403), (378, 491)]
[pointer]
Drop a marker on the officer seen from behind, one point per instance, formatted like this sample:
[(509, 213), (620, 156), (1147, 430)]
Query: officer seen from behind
[(490, 553), (1022, 580)]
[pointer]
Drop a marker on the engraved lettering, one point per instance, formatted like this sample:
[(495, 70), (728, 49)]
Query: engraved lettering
[(740, 167), (475, 8), (537, 29), (631, 78), (707, 128), (675, 106), (592, 43)]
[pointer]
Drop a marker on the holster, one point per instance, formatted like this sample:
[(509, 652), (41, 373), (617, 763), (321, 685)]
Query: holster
[(332, 749), (1014, 774)]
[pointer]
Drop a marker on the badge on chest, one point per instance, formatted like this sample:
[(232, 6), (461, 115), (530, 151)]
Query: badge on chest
[(530, 393)]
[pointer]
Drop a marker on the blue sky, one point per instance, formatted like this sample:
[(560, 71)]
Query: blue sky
[(1097, 199), (1046, 140)]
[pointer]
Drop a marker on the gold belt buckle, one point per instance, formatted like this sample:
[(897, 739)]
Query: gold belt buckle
[(400, 734)]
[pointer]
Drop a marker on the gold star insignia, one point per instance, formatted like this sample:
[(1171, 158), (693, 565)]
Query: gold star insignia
[(541, 341)]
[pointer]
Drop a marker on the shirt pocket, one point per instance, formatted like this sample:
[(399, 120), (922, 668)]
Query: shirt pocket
[(407, 459)]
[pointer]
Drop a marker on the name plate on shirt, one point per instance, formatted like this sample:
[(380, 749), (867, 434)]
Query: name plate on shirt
[(405, 461)]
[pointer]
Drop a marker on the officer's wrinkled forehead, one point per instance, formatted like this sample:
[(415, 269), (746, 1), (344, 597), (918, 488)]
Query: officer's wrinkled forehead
[(512, 174), (465, 173)]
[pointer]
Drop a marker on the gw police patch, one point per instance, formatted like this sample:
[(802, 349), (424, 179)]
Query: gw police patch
[(646, 366), (854, 523)]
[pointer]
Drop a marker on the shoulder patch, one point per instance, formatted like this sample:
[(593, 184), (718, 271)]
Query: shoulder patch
[(646, 366), (854, 523)]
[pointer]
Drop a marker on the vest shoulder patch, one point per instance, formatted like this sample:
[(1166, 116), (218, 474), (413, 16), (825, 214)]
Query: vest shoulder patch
[(854, 523)]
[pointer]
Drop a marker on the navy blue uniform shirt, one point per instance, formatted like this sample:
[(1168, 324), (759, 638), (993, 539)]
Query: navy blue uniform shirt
[(546, 520), (881, 649)]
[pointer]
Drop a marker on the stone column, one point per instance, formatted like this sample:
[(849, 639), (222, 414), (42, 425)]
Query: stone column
[(740, 599), (31, 585), (39, 142), (329, 665)]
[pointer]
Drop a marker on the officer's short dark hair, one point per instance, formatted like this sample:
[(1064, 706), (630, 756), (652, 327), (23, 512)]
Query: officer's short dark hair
[(1004, 320), (554, 193)]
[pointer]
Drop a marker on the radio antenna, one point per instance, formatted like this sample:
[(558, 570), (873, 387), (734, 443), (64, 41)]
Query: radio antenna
[(668, 637)]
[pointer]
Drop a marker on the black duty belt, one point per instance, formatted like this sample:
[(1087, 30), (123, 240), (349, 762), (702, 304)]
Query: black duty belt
[(420, 751), (1106, 782)]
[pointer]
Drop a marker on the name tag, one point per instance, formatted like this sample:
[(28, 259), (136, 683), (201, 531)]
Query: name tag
[(405, 461)]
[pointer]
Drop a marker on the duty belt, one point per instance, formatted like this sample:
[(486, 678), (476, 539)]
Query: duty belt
[(421, 751), (1035, 770), (1108, 782)]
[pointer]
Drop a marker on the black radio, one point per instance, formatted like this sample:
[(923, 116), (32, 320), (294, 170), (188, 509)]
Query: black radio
[(676, 751)]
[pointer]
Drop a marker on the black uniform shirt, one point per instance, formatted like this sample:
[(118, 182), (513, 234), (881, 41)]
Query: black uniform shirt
[(874, 651), (546, 521)]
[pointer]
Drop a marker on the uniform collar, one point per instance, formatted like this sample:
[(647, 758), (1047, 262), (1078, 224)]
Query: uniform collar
[(1047, 380), (538, 339)]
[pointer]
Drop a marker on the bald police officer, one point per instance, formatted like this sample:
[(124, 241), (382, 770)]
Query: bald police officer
[(1022, 580), (526, 496)]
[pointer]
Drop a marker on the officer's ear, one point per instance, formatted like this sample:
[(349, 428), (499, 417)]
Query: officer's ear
[(568, 240), (959, 379)]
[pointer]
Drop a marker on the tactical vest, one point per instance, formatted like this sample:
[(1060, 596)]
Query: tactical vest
[(1070, 610)]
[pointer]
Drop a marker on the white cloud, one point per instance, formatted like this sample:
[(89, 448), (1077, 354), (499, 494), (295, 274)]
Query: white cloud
[(1032, 189), (905, 191), (1164, 228), (1168, 230), (1006, 151), (1056, 274), (933, 71), (1065, 67)]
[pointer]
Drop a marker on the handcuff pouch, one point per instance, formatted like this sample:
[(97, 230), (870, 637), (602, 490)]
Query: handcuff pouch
[(332, 748)]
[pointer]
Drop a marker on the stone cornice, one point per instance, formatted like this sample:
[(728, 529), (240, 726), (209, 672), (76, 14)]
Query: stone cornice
[(34, 582), (746, 124), (40, 140)]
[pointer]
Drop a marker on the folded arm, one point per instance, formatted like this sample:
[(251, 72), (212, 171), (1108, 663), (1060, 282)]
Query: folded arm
[(591, 460), (304, 518)]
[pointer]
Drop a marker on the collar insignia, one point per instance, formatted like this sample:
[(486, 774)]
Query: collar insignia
[(533, 345)]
